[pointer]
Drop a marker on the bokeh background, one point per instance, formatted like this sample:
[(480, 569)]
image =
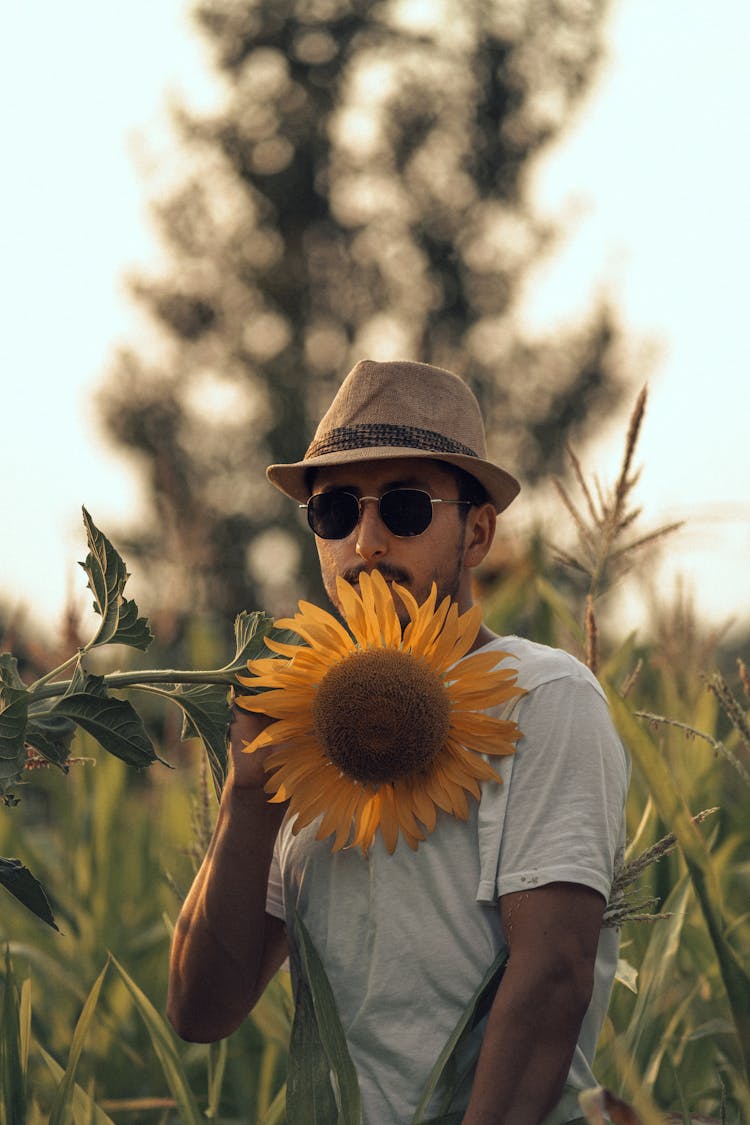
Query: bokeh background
[(610, 249)]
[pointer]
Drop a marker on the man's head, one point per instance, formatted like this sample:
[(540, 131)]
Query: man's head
[(391, 427)]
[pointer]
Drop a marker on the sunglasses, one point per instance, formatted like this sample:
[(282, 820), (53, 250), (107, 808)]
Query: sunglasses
[(404, 511)]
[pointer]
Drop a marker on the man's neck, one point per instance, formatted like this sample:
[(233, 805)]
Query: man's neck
[(483, 637)]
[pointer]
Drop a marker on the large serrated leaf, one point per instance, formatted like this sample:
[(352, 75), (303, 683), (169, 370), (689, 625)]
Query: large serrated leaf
[(9, 671), (107, 574), (25, 887), (250, 632), (14, 713), (206, 714), (114, 723), (14, 710), (51, 736)]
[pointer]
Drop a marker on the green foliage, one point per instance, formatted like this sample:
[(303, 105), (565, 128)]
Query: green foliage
[(82, 1034), (38, 721), (110, 844), (322, 1084)]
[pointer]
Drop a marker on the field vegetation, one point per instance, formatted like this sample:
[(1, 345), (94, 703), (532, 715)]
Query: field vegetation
[(83, 1037)]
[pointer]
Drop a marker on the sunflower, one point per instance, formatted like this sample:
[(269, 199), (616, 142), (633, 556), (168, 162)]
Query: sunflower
[(379, 726)]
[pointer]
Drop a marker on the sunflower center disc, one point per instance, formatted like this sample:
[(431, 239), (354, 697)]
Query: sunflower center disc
[(381, 714)]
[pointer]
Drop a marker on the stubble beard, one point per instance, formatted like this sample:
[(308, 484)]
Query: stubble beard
[(447, 585)]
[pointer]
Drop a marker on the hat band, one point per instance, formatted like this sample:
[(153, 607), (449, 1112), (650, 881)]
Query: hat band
[(369, 434)]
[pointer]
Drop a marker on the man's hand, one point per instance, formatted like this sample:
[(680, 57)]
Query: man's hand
[(247, 770)]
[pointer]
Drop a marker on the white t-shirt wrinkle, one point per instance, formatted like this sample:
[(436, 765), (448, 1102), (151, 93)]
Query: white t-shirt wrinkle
[(406, 938)]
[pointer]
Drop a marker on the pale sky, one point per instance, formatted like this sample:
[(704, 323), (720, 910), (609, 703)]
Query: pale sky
[(655, 178)]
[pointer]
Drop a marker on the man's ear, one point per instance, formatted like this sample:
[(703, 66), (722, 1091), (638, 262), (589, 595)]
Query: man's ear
[(480, 531)]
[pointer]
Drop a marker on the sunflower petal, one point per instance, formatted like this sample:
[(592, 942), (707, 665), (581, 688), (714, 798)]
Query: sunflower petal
[(354, 611), (389, 824)]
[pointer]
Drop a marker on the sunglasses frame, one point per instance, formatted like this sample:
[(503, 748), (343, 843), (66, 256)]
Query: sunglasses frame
[(377, 499)]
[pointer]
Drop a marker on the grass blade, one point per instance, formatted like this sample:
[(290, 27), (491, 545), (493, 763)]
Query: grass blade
[(163, 1042), (62, 1107), (83, 1106)]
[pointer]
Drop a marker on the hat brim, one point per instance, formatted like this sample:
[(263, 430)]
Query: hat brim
[(292, 480)]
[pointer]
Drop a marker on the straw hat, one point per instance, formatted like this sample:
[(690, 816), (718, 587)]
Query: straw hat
[(400, 409)]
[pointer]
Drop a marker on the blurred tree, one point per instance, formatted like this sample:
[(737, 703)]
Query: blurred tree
[(362, 191)]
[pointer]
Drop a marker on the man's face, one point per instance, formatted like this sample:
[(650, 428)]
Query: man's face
[(437, 555)]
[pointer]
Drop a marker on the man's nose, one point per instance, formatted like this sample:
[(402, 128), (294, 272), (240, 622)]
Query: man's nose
[(372, 534)]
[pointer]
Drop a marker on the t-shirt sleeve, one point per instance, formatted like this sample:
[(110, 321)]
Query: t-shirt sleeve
[(558, 817)]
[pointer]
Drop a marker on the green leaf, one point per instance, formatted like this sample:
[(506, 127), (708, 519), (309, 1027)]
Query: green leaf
[(309, 1094), (51, 736), (676, 815), (320, 1008), (62, 1112), (475, 1011), (163, 1042), (9, 671), (24, 886), (114, 723), (12, 1068), (107, 576), (84, 1109), (14, 713), (206, 713), (250, 632)]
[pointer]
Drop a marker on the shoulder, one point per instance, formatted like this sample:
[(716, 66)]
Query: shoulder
[(539, 664)]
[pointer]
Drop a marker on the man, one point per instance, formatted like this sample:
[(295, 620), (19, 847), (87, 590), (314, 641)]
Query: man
[(406, 938)]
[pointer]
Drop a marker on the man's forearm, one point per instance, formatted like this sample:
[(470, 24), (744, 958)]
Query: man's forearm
[(218, 947), (527, 1049)]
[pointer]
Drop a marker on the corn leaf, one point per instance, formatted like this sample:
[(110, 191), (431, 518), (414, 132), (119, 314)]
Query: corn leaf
[(675, 814), (12, 1068), (163, 1042), (644, 1033), (310, 1097), (107, 575), (320, 1026), (476, 1009), (62, 1111)]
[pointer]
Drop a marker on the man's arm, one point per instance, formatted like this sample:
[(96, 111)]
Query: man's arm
[(552, 934), (226, 947)]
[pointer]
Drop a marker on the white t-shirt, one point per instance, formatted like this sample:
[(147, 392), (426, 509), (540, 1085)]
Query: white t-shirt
[(406, 938)]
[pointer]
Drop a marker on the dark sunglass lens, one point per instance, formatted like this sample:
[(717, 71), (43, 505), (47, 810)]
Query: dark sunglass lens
[(406, 511), (333, 515)]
